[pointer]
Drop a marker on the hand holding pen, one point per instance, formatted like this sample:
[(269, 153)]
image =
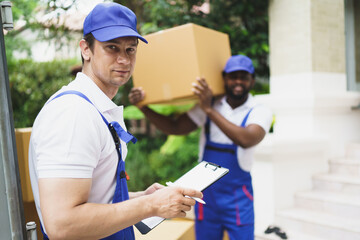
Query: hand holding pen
[(171, 184)]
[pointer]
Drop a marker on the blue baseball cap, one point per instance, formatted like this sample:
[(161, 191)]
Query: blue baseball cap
[(111, 20), (239, 63)]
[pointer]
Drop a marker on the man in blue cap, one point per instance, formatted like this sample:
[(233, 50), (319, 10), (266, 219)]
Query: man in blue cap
[(78, 143), (231, 126)]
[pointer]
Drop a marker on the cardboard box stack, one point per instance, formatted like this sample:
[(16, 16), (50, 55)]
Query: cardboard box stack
[(169, 64)]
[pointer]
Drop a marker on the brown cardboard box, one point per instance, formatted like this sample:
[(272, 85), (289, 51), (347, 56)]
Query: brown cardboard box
[(22, 136), (170, 63)]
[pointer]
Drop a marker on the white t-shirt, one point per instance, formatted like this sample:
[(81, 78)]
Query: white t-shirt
[(260, 115), (70, 140)]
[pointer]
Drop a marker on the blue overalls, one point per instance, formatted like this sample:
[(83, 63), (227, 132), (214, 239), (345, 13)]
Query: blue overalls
[(121, 190), (229, 201)]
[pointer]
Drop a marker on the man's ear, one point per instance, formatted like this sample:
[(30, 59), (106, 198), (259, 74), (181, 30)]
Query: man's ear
[(85, 50), (252, 82)]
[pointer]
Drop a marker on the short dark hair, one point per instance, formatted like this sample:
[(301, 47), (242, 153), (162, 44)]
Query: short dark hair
[(90, 39)]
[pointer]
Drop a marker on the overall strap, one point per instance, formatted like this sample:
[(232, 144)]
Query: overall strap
[(207, 128), (246, 117), (80, 94), (207, 123), (114, 127)]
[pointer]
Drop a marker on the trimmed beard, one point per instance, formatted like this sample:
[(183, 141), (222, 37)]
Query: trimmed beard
[(230, 94)]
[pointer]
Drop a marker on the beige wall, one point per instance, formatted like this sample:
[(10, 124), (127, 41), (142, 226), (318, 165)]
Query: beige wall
[(328, 36), (289, 36), (306, 36)]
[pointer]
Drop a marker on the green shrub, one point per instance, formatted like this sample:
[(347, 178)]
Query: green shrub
[(32, 83), (137, 162), (150, 160), (184, 154)]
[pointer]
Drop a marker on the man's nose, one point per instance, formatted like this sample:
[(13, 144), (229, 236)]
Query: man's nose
[(123, 58), (240, 79)]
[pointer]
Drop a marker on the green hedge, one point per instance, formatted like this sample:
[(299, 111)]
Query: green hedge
[(160, 159), (32, 83)]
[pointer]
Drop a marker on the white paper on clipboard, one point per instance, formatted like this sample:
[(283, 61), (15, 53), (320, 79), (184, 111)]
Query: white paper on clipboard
[(199, 178)]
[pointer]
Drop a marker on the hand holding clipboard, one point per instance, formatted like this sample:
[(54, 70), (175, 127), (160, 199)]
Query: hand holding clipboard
[(199, 178)]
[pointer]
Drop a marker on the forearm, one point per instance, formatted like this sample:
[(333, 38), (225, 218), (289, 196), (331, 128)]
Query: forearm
[(244, 137), (180, 126), (163, 123), (95, 221), (68, 215)]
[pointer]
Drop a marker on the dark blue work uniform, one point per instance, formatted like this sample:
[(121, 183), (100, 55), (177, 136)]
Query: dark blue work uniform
[(229, 201)]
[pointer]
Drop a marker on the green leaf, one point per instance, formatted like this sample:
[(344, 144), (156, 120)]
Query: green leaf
[(132, 112), (167, 110), (172, 144)]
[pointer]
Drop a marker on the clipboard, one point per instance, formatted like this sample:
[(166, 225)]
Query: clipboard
[(199, 178)]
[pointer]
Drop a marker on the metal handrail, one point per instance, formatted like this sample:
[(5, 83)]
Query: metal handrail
[(12, 214)]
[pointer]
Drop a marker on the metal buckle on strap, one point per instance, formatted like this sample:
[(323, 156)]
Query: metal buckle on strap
[(114, 135)]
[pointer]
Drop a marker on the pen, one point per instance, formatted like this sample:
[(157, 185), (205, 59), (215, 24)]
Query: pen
[(171, 184)]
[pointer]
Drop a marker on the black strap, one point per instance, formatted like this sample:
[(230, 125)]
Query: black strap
[(220, 149)]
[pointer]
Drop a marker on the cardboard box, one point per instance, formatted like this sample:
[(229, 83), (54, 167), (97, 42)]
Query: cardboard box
[(170, 63), (22, 136)]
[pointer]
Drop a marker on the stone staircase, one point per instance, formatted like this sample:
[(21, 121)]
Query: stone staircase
[(331, 210)]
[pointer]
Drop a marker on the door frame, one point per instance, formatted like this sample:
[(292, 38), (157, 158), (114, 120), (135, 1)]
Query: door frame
[(350, 38)]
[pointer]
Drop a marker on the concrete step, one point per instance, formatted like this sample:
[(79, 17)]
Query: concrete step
[(345, 166), (353, 150), (337, 183), (319, 224), (340, 204)]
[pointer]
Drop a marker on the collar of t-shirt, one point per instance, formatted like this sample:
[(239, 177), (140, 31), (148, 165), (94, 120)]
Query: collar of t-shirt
[(103, 103), (249, 103)]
